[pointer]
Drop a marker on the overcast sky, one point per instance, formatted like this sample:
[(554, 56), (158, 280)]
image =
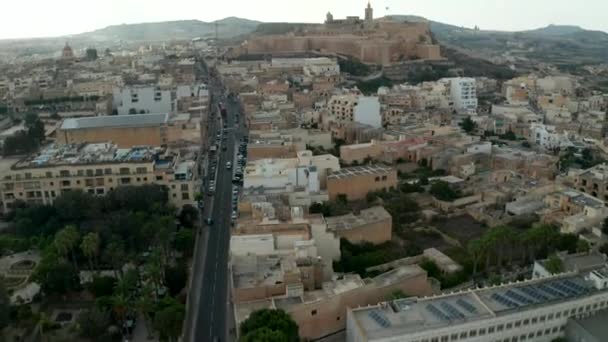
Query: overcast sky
[(42, 18)]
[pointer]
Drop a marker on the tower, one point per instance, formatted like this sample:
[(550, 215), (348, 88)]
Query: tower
[(329, 18), (67, 51), (369, 12)]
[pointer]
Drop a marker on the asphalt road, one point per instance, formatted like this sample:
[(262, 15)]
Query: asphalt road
[(209, 308)]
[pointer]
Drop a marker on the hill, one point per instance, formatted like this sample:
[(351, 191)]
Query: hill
[(172, 30)]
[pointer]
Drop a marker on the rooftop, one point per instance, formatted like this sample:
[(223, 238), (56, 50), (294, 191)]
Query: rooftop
[(360, 171), (406, 316), (78, 154), (136, 120), (351, 221), (595, 325)]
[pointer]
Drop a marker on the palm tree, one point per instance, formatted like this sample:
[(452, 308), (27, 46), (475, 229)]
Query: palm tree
[(154, 271), (90, 248), (115, 255), (120, 307), (65, 242), (145, 305), (475, 249), (501, 239)]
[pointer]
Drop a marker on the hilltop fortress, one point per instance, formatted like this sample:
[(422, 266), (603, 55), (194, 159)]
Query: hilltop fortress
[(382, 41)]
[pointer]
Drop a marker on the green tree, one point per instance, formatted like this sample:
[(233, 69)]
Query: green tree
[(582, 246), (554, 264), (397, 294), (176, 278), (273, 320), (188, 216), (468, 125), (264, 334), (5, 306), (184, 241), (168, 322), (102, 286), (55, 275), (93, 324), (443, 191), (66, 241), (475, 249), (90, 249), (115, 255)]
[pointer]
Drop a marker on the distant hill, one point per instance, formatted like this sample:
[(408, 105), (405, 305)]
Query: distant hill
[(172, 30)]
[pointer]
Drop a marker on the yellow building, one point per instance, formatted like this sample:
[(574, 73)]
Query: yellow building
[(98, 169)]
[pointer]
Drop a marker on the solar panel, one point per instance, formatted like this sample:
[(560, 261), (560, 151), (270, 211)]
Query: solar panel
[(466, 305), (452, 311), (563, 289), (551, 291), (518, 297), (530, 291), (379, 318), (437, 313), (504, 301), (574, 286)]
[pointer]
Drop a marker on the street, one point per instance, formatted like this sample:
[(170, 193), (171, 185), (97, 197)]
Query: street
[(209, 305)]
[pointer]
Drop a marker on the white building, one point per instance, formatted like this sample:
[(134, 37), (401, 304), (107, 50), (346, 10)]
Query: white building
[(142, 99), (547, 137), (535, 310), (367, 111), (464, 94)]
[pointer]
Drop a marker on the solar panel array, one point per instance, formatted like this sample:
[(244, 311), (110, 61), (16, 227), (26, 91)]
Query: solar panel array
[(504, 301), (437, 313), (379, 318), (522, 296), (452, 311), (466, 305)]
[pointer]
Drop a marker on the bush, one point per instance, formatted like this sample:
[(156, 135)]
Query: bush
[(102, 286)]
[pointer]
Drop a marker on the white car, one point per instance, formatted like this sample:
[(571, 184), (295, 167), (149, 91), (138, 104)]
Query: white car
[(233, 215), (229, 165)]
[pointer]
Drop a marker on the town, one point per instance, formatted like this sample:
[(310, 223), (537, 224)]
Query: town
[(344, 181)]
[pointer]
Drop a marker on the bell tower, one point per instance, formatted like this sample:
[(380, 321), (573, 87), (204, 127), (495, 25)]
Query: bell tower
[(369, 13)]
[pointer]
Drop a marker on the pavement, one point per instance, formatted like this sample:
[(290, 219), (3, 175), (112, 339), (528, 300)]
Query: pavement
[(208, 316)]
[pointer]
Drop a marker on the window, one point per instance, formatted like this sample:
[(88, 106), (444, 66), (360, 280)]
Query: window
[(509, 325), (99, 191), (64, 173), (558, 315), (88, 182), (313, 312), (472, 333), (90, 172), (542, 318), (125, 180), (383, 178), (539, 333), (499, 327), (554, 330), (65, 183), (185, 196), (463, 335), (377, 179), (99, 182), (534, 320), (107, 171), (159, 178), (184, 187), (80, 173), (98, 172), (49, 174), (517, 324), (124, 171), (141, 170), (550, 317), (454, 337), (482, 331), (526, 321), (138, 179), (490, 330)]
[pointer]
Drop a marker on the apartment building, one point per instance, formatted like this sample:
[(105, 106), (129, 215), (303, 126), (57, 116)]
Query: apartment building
[(464, 95), (373, 225), (357, 182), (98, 169), (534, 310), (382, 150), (143, 99)]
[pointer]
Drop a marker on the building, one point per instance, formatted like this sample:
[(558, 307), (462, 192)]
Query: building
[(534, 310), (142, 99), (370, 225), (384, 41), (307, 171), (593, 181), (464, 95), (323, 311), (123, 130), (384, 151), (67, 52), (356, 182), (98, 169), (592, 328), (570, 263), (548, 138)]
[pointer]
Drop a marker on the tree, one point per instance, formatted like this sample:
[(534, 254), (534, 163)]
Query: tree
[(397, 294), (115, 255), (273, 320), (184, 241), (102, 286), (168, 322), (188, 216), (475, 249), (5, 306), (554, 264), (94, 324), (468, 125), (55, 275), (90, 249), (264, 334), (66, 241), (604, 248), (443, 191), (582, 246), (176, 278)]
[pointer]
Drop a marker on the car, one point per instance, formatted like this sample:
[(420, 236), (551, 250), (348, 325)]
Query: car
[(228, 165), (201, 205), (233, 216), (224, 148), (209, 221)]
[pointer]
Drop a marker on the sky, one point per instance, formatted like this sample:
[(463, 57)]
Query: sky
[(47, 18)]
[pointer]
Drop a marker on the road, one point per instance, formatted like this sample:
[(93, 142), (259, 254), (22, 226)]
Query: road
[(209, 307)]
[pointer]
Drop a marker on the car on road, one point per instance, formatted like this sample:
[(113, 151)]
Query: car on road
[(209, 221), (233, 216), (201, 205), (228, 165)]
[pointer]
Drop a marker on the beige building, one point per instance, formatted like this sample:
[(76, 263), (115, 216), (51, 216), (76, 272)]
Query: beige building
[(373, 225), (98, 169), (123, 130), (322, 312), (357, 182)]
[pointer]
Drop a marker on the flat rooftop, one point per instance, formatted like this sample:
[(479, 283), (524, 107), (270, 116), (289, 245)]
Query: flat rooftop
[(361, 171), (411, 315), (79, 154), (352, 221), (117, 121)]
